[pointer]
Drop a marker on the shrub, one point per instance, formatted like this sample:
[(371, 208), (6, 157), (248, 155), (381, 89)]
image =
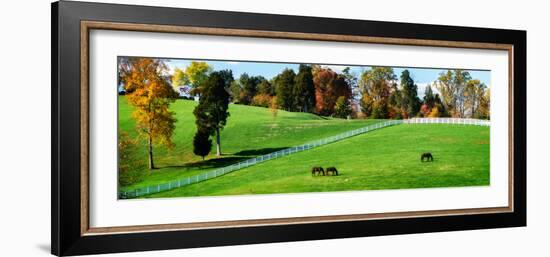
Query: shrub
[(262, 100), (202, 144), (425, 110), (379, 110), (434, 113), (129, 171), (342, 108)]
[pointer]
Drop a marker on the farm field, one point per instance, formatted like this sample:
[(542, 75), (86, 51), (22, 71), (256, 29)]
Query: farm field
[(250, 131), (384, 159), (263, 127)]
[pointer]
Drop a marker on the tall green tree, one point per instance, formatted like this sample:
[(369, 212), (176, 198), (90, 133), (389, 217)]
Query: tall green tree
[(410, 103), (396, 97), (227, 77), (265, 88), (429, 97), (304, 89), (284, 82), (211, 112), (246, 89)]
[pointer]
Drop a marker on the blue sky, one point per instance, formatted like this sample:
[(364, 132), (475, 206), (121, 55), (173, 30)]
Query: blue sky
[(421, 76)]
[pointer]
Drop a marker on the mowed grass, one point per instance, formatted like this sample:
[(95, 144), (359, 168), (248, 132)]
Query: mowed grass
[(384, 159), (250, 131)]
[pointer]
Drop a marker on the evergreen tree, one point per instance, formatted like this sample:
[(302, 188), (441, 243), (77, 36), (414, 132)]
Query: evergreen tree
[(265, 88), (211, 112), (304, 89), (342, 108), (410, 102), (202, 144), (429, 96), (284, 82)]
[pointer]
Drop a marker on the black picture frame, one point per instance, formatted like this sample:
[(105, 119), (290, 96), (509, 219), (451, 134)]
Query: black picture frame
[(66, 235)]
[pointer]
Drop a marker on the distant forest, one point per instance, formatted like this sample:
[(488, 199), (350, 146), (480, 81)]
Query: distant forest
[(374, 93)]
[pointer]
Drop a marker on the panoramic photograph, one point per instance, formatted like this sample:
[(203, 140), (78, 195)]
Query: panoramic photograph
[(191, 127)]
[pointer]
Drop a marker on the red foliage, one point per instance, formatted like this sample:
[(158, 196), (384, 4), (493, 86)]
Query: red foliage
[(328, 87), (425, 110)]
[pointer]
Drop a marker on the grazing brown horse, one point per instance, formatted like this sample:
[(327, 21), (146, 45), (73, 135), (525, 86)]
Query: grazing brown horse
[(332, 170), (427, 156), (318, 170)]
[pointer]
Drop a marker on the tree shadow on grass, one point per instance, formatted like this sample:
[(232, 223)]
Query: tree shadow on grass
[(225, 161), (256, 152), (210, 163)]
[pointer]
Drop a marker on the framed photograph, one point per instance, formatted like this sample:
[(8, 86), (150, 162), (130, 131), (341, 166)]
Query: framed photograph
[(178, 128)]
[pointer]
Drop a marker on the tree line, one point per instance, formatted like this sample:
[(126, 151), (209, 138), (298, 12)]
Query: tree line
[(313, 89), (461, 96), (375, 93)]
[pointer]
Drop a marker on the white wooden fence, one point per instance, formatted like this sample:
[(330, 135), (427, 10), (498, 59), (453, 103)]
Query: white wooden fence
[(458, 121)]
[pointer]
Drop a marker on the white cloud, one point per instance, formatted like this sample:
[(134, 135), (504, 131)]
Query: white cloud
[(336, 68), (421, 88)]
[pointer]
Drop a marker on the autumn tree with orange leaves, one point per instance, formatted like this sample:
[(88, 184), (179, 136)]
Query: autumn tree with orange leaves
[(149, 92), (329, 86)]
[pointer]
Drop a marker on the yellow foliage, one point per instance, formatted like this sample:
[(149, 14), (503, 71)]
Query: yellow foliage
[(274, 107), (148, 90), (434, 113), (263, 100)]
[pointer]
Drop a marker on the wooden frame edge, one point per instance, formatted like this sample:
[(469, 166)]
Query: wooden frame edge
[(84, 129), (287, 35), (86, 26), (290, 221)]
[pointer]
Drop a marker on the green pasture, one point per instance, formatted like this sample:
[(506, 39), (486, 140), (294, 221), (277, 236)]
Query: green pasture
[(384, 159), (388, 158), (250, 131)]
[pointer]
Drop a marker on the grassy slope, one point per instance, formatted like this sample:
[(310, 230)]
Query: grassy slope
[(383, 159), (250, 131)]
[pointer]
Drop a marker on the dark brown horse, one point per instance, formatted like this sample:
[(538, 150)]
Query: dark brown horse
[(427, 156), (332, 170), (318, 170)]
